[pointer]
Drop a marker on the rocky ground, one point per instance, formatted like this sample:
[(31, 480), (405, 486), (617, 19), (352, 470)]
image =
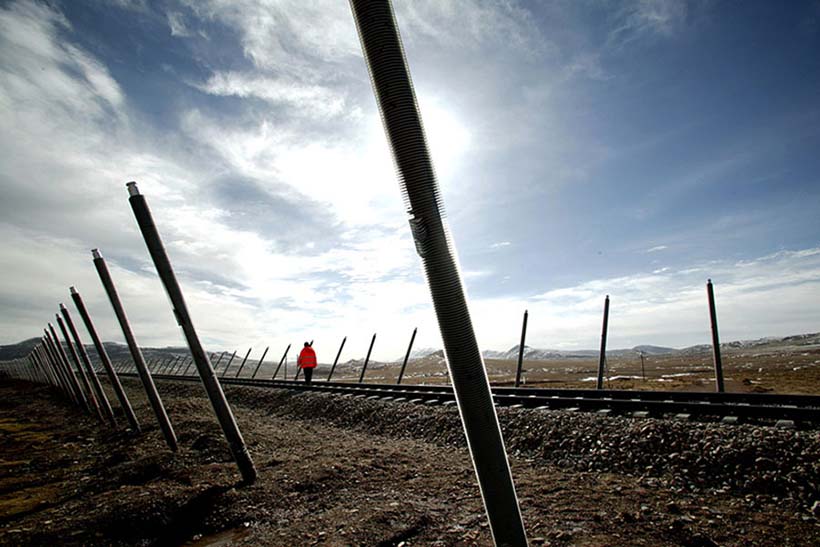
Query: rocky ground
[(348, 471)]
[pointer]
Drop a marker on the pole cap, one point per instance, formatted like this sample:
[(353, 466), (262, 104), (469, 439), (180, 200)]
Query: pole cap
[(96, 253), (132, 188), (62, 306), (72, 290)]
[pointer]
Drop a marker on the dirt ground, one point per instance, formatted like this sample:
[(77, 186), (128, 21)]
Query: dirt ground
[(348, 471)]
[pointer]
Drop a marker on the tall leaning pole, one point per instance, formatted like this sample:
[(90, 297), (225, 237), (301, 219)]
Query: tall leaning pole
[(390, 76), (166, 273)]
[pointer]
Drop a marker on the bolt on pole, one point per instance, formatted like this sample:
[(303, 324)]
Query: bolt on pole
[(75, 384), (136, 354), (366, 359), (521, 350), (238, 372), (214, 390), (106, 361), (336, 360), (715, 339), (259, 364), (602, 354), (406, 356), (282, 360), (390, 77), (95, 382)]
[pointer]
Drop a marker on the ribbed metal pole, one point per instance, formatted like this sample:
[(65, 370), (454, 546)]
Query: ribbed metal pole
[(105, 406), (133, 422), (136, 353), (602, 355), (282, 360), (72, 378), (406, 356), (715, 338), (242, 365), (229, 363), (336, 360), (521, 350), (397, 102), (214, 390), (367, 359), (259, 364)]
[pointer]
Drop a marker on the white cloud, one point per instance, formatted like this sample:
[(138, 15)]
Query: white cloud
[(176, 22), (657, 248), (499, 244)]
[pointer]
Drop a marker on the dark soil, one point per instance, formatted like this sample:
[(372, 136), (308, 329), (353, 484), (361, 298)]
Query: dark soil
[(348, 471)]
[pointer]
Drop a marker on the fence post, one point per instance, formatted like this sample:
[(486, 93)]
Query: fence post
[(521, 350), (229, 363), (72, 378), (136, 353), (95, 382), (366, 359), (602, 354), (214, 390), (282, 360), (715, 339), (259, 364), (336, 360), (406, 356), (106, 361), (390, 77), (243, 363)]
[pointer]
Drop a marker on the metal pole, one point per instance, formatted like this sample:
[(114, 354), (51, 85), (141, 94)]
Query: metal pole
[(406, 356), (259, 364), (338, 353), (366, 359), (602, 355), (715, 339), (282, 360), (136, 353), (229, 363), (191, 362), (63, 358), (45, 360), (51, 354), (106, 361), (243, 363), (521, 350), (390, 77), (95, 382), (221, 355), (214, 390)]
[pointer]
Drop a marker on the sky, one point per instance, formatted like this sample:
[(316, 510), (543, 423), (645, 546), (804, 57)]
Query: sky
[(583, 147)]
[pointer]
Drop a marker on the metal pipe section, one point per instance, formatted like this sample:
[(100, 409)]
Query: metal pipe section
[(396, 98), (106, 361), (602, 355), (406, 356), (241, 366), (64, 385), (521, 350), (214, 390), (282, 360), (259, 364), (89, 393), (229, 362), (336, 360), (72, 378), (367, 359), (95, 382), (136, 353), (715, 339), (191, 362)]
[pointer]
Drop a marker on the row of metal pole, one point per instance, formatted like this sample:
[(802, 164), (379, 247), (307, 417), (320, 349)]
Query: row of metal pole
[(66, 365)]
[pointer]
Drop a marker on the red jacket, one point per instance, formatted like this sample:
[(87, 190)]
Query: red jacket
[(307, 358)]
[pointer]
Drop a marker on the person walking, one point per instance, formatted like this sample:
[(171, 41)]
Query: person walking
[(307, 362)]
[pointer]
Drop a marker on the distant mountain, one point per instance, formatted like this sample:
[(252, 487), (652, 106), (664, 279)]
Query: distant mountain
[(18, 350), (654, 350)]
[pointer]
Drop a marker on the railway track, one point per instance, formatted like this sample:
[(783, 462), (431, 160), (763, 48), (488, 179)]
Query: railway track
[(796, 410)]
